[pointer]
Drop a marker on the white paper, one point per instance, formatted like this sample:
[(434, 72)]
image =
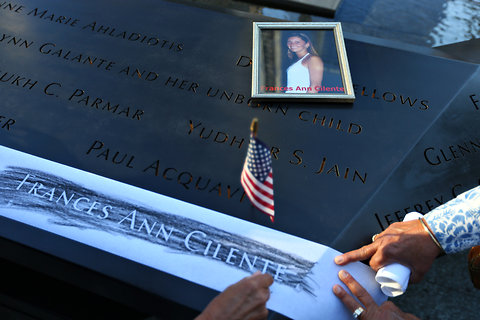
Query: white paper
[(188, 241), (393, 279)]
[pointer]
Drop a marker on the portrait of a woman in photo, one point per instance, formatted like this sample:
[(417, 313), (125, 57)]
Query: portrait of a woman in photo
[(305, 72)]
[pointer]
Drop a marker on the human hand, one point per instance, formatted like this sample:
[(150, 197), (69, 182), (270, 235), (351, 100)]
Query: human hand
[(371, 311), (406, 243), (244, 300)]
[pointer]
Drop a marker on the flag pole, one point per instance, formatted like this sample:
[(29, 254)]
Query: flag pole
[(253, 131), (254, 127)]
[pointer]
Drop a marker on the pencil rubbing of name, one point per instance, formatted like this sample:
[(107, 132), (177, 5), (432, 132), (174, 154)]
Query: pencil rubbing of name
[(70, 204)]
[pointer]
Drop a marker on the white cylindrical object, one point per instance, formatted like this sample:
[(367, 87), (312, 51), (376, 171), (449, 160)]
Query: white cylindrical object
[(393, 279)]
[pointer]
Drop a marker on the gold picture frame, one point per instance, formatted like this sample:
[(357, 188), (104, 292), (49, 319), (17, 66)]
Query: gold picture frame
[(300, 60)]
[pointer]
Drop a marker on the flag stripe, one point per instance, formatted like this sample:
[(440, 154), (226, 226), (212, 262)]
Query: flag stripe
[(258, 205), (266, 192), (269, 181), (265, 210), (265, 201), (258, 195), (267, 187)]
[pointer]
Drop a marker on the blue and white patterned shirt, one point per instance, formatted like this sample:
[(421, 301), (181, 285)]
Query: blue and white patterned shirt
[(456, 224)]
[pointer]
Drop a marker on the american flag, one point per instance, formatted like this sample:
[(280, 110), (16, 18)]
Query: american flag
[(257, 176)]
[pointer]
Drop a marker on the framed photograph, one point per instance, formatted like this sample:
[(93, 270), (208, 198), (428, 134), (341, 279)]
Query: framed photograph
[(300, 60)]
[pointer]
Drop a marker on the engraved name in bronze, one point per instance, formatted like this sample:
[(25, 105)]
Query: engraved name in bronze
[(100, 103), (390, 97), (397, 215), (94, 27), (15, 41), (87, 59), (384, 219), (6, 123), (185, 179), (324, 167), (12, 7), (17, 80), (475, 102), (435, 156), (78, 96)]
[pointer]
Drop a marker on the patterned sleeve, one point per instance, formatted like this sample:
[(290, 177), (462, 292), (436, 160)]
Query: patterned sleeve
[(456, 224)]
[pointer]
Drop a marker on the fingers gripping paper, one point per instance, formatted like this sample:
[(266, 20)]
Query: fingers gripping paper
[(188, 241), (393, 279)]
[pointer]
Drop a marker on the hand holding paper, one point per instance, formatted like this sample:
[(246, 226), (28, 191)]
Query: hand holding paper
[(393, 278), (406, 243), (364, 306), (245, 299)]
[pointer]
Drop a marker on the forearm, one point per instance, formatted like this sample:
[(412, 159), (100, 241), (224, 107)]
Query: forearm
[(456, 224)]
